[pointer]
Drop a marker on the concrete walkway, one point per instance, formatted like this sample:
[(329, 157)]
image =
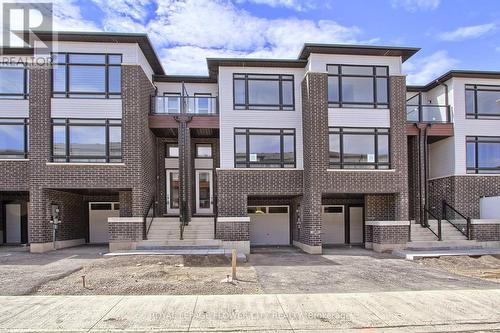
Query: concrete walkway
[(452, 310)]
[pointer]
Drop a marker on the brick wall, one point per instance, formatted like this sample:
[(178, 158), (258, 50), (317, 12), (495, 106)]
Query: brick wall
[(380, 207), (125, 231), (485, 232), (463, 192), (233, 231), (14, 175), (397, 234)]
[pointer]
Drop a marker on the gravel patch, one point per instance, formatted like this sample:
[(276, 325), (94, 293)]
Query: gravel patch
[(158, 275), (484, 267)]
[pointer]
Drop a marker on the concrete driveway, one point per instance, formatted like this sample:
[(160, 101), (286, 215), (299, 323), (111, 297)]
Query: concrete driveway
[(289, 270), (22, 272)]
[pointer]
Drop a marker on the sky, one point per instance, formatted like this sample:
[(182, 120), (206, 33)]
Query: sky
[(452, 34)]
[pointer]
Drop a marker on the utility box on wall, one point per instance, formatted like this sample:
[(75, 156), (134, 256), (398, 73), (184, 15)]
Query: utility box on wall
[(489, 207)]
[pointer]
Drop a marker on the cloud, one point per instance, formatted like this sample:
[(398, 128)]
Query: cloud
[(423, 70), (416, 5), (186, 32), (462, 33), (298, 5)]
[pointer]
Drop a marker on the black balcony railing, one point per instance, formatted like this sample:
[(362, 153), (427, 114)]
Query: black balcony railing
[(193, 105), (428, 113)]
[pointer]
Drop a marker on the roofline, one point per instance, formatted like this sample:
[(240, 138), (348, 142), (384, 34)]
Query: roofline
[(5, 51), (377, 50), (455, 73), (184, 78), (116, 37), (213, 64)]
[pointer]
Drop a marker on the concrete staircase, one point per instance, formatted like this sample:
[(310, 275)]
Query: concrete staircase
[(423, 239), (165, 233)]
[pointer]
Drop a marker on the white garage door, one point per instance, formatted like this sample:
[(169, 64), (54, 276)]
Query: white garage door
[(333, 228), (269, 225), (98, 220)]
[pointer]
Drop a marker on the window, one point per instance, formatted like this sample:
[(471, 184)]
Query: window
[(358, 86), (264, 148), (87, 141), (86, 75), (203, 103), (13, 138), (483, 154), (13, 82), (482, 101), (359, 148), (172, 102), (172, 150), (263, 92), (203, 150)]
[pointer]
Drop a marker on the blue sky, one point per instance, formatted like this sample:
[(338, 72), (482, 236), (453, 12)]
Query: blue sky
[(453, 34)]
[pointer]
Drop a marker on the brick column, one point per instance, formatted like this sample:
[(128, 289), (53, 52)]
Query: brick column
[(315, 127)]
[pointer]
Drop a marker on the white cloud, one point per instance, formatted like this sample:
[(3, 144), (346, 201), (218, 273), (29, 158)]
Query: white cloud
[(67, 16), (298, 5), (423, 70), (186, 32), (416, 5), (473, 31)]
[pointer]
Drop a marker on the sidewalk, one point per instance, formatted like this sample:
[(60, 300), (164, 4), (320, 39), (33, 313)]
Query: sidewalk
[(391, 311)]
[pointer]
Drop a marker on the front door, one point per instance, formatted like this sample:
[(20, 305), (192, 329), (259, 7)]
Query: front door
[(204, 192), (13, 223), (173, 191)]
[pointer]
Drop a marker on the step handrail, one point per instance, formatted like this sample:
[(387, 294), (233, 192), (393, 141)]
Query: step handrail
[(439, 234), (467, 219), (150, 213)]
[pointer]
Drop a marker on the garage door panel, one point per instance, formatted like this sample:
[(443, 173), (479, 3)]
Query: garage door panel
[(269, 228)]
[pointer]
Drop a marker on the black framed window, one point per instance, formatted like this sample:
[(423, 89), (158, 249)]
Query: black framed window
[(482, 101), (86, 75), (264, 148), (13, 82), (483, 154), (172, 150), (358, 86), (203, 150), (359, 148), (14, 138), (87, 140), (263, 92)]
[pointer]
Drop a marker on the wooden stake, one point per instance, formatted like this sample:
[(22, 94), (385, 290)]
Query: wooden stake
[(233, 262)]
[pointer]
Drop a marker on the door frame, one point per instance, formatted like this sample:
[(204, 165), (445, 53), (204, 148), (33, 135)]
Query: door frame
[(24, 220), (197, 192), (168, 210)]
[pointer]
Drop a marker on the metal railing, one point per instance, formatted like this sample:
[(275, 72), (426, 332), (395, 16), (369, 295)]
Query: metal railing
[(193, 105), (456, 219), (148, 218), (428, 113), (425, 223)]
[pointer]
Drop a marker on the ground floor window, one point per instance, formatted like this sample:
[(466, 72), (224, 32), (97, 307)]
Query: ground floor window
[(87, 140), (264, 148), (483, 154), (359, 148), (13, 138)]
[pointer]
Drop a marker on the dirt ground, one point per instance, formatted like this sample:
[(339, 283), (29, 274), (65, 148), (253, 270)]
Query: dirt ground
[(144, 275), (484, 267)]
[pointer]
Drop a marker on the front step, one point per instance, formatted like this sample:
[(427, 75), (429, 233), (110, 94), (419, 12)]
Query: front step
[(148, 244), (442, 245)]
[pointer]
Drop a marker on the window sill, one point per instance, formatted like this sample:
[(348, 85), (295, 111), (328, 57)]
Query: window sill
[(260, 169), (14, 159), (83, 163), (361, 170)]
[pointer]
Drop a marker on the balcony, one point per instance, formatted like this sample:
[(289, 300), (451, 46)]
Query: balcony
[(176, 105), (428, 114)]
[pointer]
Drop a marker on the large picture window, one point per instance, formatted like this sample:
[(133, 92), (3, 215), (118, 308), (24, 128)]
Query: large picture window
[(263, 92), (482, 101), (264, 148), (13, 82), (13, 138), (86, 75), (359, 148), (483, 154), (87, 140), (358, 86)]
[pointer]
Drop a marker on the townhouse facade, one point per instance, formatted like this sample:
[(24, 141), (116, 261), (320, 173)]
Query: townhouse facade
[(331, 148)]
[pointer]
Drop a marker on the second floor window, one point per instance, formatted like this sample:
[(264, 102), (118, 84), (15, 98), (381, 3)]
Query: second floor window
[(264, 148), (87, 140), (483, 154), (13, 82), (359, 148), (86, 75), (482, 101), (263, 92), (352, 86), (13, 138)]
